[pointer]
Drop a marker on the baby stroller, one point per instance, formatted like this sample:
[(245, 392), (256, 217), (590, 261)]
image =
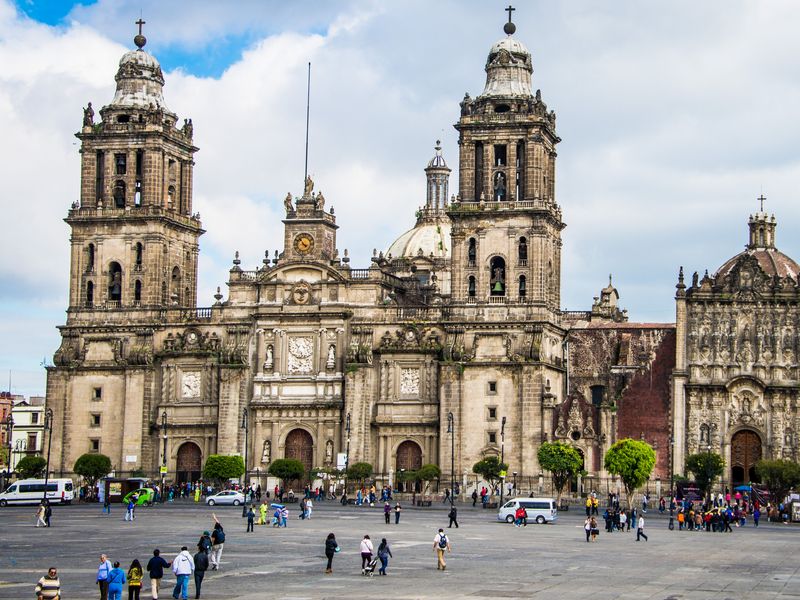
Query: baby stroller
[(373, 564)]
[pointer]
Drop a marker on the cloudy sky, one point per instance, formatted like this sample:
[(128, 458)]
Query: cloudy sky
[(674, 117)]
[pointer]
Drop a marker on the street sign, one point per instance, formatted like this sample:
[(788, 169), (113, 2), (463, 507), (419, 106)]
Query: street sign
[(163, 469), (503, 473)]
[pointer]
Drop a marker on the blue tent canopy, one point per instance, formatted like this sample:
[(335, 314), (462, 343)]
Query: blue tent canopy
[(742, 488)]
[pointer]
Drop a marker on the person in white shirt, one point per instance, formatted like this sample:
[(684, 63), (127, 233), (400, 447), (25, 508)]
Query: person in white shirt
[(183, 567), (640, 529), (366, 553), (440, 544)]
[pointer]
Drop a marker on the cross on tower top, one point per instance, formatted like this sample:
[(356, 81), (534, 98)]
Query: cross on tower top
[(140, 40), (761, 199), (140, 22), (509, 27)]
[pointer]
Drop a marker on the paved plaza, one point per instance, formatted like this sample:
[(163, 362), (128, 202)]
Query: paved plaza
[(489, 559)]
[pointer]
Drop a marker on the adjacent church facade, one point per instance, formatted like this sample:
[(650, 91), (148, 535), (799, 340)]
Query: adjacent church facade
[(450, 346)]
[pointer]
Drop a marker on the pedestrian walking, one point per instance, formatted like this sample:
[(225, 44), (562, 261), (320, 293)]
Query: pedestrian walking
[(384, 552), (262, 513), (155, 568), (440, 545), (387, 509), (594, 528), (309, 508), (587, 527), (366, 553), (474, 498), (40, 522), (640, 529), (285, 516), (453, 516), (129, 510), (183, 567), (135, 575), (204, 543), (217, 543), (200, 568), (331, 548), (251, 515), (48, 512), (103, 571), (106, 505), (397, 509), (48, 586), (116, 581)]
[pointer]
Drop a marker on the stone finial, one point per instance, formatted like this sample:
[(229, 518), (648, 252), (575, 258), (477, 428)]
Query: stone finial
[(218, 296), (236, 261), (266, 258)]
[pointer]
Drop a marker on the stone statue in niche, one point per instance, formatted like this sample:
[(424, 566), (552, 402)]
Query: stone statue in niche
[(266, 454), (329, 452), (331, 363), (320, 201), (270, 359), (287, 203), (309, 187)]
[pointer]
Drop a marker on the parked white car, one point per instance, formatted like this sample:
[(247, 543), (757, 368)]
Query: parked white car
[(226, 497)]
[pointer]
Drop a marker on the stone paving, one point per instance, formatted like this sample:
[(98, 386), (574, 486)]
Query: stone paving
[(489, 559)]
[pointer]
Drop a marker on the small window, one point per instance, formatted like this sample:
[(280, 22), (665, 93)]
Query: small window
[(137, 292), (598, 391), (502, 108), (124, 119), (139, 253), (95, 419), (121, 164), (492, 413), (472, 250), (32, 445), (471, 286), (97, 393), (492, 437), (34, 418), (500, 155), (89, 294), (492, 387), (523, 286), (94, 445)]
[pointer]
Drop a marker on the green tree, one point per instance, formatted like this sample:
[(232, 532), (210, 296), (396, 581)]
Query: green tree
[(287, 469), (490, 468), (92, 467), (220, 467), (3, 455), (780, 477), (428, 473), (359, 471), (29, 467), (633, 461), (562, 461), (706, 467)]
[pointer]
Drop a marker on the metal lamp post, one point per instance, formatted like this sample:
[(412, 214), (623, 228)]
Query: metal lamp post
[(244, 480), (164, 456), (48, 427), (452, 431), (502, 456), (346, 459), (515, 483)]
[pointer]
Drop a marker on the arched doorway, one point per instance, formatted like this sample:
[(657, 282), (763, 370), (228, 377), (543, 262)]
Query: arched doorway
[(189, 463), (409, 458), (745, 452), (300, 446)]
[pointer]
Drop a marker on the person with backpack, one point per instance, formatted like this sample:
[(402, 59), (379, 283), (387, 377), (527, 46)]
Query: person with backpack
[(200, 568), (440, 545), (384, 552), (366, 553), (251, 516), (217, 543), (204, 544), (116, 579), (331, 548), (474, 498)]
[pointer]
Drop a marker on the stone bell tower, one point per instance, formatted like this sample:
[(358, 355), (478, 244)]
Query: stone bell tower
[(134, 236), (506, 240)]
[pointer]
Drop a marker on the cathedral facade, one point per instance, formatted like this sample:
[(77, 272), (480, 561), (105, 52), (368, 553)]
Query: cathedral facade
[(451, 346)]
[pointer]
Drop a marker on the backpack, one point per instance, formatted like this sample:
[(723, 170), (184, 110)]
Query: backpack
[(442, 542), (205, 544), (220, 536)]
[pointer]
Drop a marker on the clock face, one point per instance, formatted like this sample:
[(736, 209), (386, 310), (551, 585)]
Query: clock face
[(304, 243)]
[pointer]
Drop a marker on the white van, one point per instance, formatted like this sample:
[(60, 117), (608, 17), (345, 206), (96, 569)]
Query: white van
[(31, 491), (540, 510)]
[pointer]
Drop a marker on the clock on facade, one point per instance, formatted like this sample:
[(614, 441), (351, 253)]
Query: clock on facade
[(304, 243)]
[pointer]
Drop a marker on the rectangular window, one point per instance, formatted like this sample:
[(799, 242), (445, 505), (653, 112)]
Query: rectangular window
[(97, 393), (139, 161), (32, 445), (598, 392), (95, 420), (94, 445), (121, 164), (492, 387), (34, 418), (492, 436), (492, 413), (100, 169), (500, 158)]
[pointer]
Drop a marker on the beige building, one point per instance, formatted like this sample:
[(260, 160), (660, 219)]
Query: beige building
[(449, 347)]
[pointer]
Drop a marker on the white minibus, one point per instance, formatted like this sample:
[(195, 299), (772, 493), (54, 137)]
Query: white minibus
[(541, 510), (31, 491)]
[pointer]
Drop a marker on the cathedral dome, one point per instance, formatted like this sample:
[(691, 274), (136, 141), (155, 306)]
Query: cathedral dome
[(508, 69), (426, 239), (140, 82), (761, 247)]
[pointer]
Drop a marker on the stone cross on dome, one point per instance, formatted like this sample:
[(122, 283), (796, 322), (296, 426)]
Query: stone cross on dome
[(761, 199)]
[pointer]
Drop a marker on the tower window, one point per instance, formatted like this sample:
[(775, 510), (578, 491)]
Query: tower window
[(124, 119), (500, 157), (89, 294), (497, 282), (471, 286), (95, 420), (139, 161), (100, 167), (94, 445), (478, 170), (492, 387), (90, 258), (121, 164), (522, 251), (139, 252), (119, 194), (492, 413), (176, 286), (502, 108), (598, 391), (115, 282), (520, 175), (137, 292), (523, 288), (472, 250), (170, 196), (97, 393), (499, 185), (137, 194), (492, 437)]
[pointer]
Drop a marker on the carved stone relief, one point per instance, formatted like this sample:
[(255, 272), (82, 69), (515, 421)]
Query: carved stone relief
[(190, 385), (409, 382), (301, 353)]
